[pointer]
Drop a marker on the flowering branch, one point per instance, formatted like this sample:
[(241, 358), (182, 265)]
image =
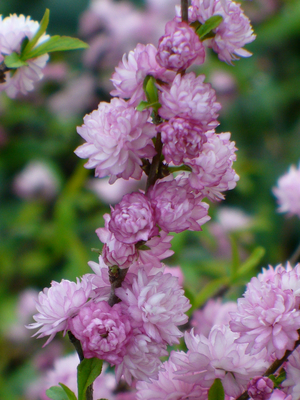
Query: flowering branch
[(273, 368)]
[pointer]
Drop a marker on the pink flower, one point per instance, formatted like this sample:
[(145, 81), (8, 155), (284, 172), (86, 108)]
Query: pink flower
[(156, 305), (142, 360), (13, 30), (132, 220), (287, 192), (292, 382), (129, 76), (57, 305), (117, 138), (156, 249), (103, 331), (266, 318), (180, 47), (233, 32), (280, 395), (182, 139), (176, 207), (218, 356), (214, 313), (169, 387), (189, 97), (260, 388), (212, 171), (115, 252)]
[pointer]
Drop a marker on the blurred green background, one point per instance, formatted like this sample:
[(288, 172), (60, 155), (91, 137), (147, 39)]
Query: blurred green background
[(47, 234)]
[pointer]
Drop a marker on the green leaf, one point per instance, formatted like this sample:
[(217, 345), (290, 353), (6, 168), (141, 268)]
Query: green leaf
[(42, 29), (151, 89), (278, 379), (87, 371), (55, 43), (252, 262), (208, 291), (216, 392), (14, 61), (210, 24), (142, 106), (56, 393), (69, 393)]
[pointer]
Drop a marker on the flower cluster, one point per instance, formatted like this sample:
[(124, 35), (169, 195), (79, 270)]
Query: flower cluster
[(13, 30), (161, 123)]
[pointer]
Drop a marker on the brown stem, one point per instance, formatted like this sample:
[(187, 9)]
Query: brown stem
[(185, 10), (155, 166), (274, 367), (76, 343), (116, 277)]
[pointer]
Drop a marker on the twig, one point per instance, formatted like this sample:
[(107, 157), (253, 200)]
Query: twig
[(185, 10)]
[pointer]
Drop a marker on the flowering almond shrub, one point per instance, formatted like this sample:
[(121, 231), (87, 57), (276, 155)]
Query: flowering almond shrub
[(161, 122)]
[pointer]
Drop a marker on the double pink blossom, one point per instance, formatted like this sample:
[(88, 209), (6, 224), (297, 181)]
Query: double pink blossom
[(180, 47), (58, 304), (190, 98), (117, 137), (132, 220), (156, 305), (129, 76), (176, 207), (287, 192), (103, 331)]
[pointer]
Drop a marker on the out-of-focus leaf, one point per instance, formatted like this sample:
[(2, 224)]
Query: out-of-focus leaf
[(56, 393), (69, 393), (252, 262), (212, 23), (209, 291)]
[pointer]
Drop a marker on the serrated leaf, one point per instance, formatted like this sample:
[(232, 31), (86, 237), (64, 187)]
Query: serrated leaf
[(87, 371), (68, 391), (216, 392), (210, 24), (42, 29), (56, 393), (13, 61), (55, 43), (252, 262)]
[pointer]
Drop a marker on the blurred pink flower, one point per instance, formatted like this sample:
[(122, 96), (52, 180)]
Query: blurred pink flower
[(287, 192), (13, 30), (57, 305), (36, 180), (180, 47), (214, 313), (117, 138), (292, 382)]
